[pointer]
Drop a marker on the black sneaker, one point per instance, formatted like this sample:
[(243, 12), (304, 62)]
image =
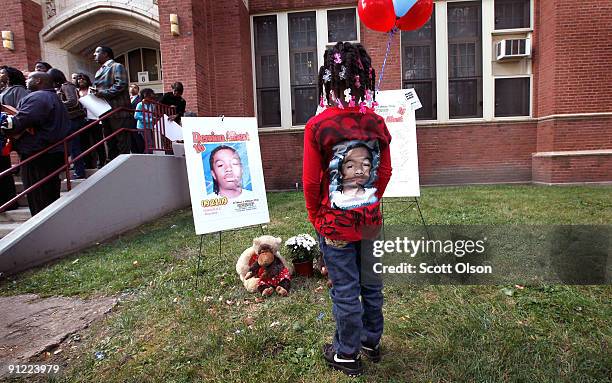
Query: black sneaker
[(350, 366), (372, 353)]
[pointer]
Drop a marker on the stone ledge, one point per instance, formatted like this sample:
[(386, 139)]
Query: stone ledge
[(574, 153)]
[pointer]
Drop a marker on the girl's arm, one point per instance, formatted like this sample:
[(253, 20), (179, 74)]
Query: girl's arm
[(311, 174)]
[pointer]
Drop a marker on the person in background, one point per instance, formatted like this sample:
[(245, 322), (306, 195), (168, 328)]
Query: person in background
[(136, 140), (145, 120), (111, 84), (41, 120), (93, 135), (73, 78), (69, 95), (42, 66), (175, 98), (14, 91), (16, 86), (134, 95)]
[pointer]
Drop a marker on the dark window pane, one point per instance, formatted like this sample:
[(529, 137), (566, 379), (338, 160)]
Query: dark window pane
[(512, 97), (465, 59), (463, 97), (266, 71), (120, 59), (135, 63), (150, 63), (427, 96), (512, 14), (419, 67), (304, 103), (341, 25), (303, 65), (268, 107)]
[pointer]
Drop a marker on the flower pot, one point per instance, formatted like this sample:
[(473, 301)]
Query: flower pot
[(303, 268)]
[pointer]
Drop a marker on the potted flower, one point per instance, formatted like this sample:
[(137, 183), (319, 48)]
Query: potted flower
[(302, 250)]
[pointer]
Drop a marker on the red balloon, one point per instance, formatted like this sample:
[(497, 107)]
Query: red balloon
[(417, 16), (378, 15)]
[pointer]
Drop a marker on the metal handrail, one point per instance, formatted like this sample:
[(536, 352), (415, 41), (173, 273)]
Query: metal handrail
[(157, 114)]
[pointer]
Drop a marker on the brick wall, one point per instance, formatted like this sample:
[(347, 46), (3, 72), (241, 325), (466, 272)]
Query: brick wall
[(566, 169), (579, 133), (572, 56), (376, 45), (452, 154), (261, 6), (212, 56), (24, 19)]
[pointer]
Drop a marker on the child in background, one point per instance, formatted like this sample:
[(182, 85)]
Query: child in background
[(144, 120), (348, 122)]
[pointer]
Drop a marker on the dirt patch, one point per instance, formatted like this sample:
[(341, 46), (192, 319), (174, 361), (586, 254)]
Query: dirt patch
[(30, 325)]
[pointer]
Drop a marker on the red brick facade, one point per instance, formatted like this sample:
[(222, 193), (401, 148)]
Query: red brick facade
[(24, 19), (572, 97)]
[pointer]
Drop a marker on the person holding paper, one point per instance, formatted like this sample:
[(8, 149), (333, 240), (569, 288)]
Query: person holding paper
[(175, 98), (111, 84), (93, 135)]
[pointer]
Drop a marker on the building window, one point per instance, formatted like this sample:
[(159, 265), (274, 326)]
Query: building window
[(303, 65), (464, 60), (512, 97), (341, 25), (141, 60), (510, 14), (419, 67), (287, 50), (266, 71)]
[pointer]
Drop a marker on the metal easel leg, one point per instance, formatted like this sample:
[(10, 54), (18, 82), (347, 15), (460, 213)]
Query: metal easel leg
[(416, 201), (199, 260)]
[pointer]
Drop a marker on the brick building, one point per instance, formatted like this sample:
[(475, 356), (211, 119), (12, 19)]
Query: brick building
[(544, 117)]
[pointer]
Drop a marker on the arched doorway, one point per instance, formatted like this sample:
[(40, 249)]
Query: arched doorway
[(70, 39)]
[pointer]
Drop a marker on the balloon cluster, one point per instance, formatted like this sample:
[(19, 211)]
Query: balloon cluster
[(384, 15)]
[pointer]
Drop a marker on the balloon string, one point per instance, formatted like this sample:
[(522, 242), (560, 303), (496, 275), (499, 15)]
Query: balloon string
[(392, 33)]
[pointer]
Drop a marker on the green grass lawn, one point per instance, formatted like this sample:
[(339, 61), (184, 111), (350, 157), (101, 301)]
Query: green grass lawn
[(166, 330)]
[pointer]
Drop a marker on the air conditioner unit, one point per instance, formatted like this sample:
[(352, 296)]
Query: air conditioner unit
[(512, 49)]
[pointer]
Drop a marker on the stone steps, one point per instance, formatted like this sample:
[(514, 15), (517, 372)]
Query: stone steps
[(11, 219)]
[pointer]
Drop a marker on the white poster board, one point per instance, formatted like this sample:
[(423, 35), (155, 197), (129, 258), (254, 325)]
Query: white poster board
[(231, 193), (95, 106), (397, 108), (173, 131)]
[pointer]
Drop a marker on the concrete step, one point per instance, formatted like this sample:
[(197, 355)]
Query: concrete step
[(18, 215), (7, 227), (73, 184)]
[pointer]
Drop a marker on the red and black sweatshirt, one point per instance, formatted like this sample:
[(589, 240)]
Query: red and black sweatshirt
[(347, 166)]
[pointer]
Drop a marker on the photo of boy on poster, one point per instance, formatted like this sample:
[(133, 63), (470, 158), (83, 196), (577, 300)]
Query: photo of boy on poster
[(226, 170)]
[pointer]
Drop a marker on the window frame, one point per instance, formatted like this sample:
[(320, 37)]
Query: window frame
[(528, 28), (284, 65), (160, 77), (513, 118)]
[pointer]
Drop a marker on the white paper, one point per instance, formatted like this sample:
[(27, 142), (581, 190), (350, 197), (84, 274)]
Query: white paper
[(413, 99), (173, 130), (396, 108), (95, 106), (243, 201)]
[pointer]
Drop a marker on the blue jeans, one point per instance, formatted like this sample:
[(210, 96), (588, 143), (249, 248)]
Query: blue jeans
[(357, 321)]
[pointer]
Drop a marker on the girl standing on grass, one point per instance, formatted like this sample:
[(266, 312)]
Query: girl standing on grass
[(347, 222)]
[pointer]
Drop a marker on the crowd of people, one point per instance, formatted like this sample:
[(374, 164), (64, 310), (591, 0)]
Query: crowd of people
[(46, 109)]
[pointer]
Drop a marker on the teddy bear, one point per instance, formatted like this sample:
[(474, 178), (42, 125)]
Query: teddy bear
[(250, 256)]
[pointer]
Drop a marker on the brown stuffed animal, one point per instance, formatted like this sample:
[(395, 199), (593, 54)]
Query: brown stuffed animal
[(250, 256), (272, 273)]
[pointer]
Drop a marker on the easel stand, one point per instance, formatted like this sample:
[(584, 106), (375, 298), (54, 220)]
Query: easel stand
[(409, 203), (202, 241)]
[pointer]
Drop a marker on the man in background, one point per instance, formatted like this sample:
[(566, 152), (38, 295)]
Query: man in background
[(111, 84)]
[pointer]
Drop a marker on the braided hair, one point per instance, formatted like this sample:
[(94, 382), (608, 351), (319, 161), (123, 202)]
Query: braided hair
[(346, 66)]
